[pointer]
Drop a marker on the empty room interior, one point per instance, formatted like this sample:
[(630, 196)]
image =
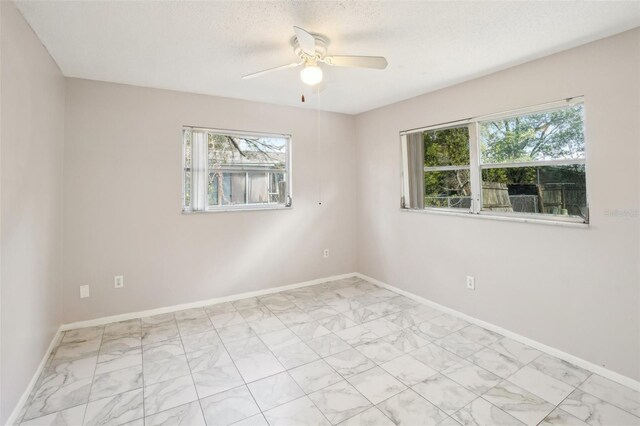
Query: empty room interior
[(293, 213)]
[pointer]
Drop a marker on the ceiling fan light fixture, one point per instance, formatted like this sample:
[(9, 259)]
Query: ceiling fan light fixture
[(311, 75)]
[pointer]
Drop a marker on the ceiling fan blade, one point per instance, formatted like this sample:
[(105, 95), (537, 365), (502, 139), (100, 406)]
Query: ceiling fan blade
[(263, 72), (306, 41), (376, 62)]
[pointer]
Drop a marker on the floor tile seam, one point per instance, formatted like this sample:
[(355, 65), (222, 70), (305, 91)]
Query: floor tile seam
[(320, 358), (598, 398), (423, 398), (193, 381), (95, 368)]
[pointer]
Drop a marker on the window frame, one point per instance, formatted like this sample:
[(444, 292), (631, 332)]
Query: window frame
[(288, 196), (476, 166)]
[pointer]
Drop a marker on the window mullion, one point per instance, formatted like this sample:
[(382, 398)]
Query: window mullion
[(534, 163), (444, 168), (474, 163)]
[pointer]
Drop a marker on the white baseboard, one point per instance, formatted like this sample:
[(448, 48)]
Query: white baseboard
[(13, 418), (199, 304), (605, 372)]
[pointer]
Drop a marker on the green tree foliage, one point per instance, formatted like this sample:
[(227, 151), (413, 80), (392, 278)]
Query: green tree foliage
[(542, 136), (446, 147)]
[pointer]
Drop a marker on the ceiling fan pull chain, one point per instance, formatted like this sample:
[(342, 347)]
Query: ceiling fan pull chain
[(318, 147)]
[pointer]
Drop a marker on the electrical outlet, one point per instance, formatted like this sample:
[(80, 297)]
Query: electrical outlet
[(84, 291), (118, 281), (471, 282), (325, 253)]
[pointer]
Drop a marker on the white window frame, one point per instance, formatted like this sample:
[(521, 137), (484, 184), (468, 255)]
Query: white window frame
[(246, 206), (476, 166)]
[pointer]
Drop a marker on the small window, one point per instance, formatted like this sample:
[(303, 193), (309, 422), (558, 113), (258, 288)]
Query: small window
[(228, 170), (525, 163)]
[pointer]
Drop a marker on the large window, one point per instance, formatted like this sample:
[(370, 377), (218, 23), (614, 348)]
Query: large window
[(528, 163), (227, 170)]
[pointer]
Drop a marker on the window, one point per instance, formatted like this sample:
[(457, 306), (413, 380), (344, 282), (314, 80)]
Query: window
[(227, 170), (446, 166), (527, 163)]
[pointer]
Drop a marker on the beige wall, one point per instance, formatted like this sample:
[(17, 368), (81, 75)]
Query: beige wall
[(122, 202), (574, 289), (32, 105)]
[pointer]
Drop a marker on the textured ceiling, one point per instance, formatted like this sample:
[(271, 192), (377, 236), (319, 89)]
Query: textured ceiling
[(205, 46)]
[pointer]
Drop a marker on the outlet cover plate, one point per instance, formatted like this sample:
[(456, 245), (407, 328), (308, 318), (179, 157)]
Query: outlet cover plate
[(118, 281), (84, 291), (471, 282)]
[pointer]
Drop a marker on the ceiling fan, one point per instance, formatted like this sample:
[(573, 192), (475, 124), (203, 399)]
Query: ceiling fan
[(312, 50)]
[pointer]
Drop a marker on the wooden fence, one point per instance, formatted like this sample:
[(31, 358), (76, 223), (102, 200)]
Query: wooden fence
[(495, 197), (547, 198)]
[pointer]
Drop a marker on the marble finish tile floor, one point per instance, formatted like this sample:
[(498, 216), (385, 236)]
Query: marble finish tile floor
[(343, 352)]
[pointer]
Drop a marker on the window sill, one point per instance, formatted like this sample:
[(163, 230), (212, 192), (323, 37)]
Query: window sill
[(506, 218), (249, 208)]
